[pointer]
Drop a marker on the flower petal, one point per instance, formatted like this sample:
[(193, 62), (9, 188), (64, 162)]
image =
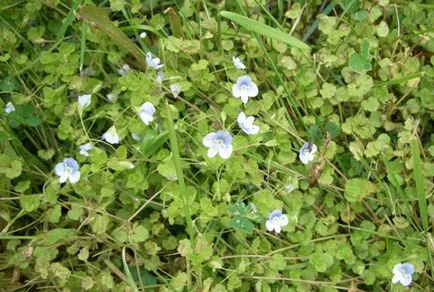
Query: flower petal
[(209, 140), (212, 152), (225, 152), (59, 169), (63, 178), (254, 130), (244, 97), (406, 280), (253, 90), (236, 91), (241, 118), (269, 225), (283, 220), (74, 177)]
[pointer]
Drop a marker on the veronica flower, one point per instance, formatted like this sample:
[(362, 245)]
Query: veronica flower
[(246, 124), (124, 69), (143, 34), (84, 100), (237, 63), (176, 89), (244, 88), (84, 148), (276, 221), (68, 169), (160, 77), (146, 112), (402, 274), (112, 97), (9, 108), (307, 152), (220, 142), (153, 62), (111, 136)]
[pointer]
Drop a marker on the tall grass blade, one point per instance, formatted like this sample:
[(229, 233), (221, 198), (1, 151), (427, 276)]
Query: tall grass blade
[(419, 179), (265, 30), (98, 17)]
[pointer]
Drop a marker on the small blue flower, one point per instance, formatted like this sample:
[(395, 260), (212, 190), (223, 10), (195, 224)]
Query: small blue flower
[(160, 77), (176, 89), (245, 88), (146, 112), (84, 100), (307, 152), (112, 97), (9, 107), (111, 136), (153, 62), (220, 142), (68, 169), (276, 221), (84, 148), (143, 34), (124, 69), (246, 124), (238, 63), (402, 274)]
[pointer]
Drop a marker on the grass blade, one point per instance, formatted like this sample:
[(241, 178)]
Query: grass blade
[(265, 30), (419, 179), (98, 17)]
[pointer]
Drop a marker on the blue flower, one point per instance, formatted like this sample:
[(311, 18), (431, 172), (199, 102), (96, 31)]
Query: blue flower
[(238, 64), (402, 274), (160, 77), (112, 97), (244, 88), (68, 169), (246, 124), (276, 221), (9, 107), (124, 69), (84, 148), (84, 100), (153, 62), (176, 89), (146, 112), (307, 152), (220, 142), (111, 136)]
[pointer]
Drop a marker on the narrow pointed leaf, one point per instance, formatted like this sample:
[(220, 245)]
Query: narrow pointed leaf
[(265, 30)]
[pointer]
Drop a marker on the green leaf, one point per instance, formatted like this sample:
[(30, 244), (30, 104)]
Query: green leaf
[(98, 17), (359, 15), (357, 189), (242, 224), (99, 224), (140, 234), (265, 30), (359, 64), (30, 203), (321, 261), (54, 214), (56, 235)]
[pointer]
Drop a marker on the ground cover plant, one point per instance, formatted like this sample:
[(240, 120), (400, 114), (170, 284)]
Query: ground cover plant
[(194, 145)]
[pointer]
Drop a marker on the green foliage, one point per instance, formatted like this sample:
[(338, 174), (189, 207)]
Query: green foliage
[(154, 212)]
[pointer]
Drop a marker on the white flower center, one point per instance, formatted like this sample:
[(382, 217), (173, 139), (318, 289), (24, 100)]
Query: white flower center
[(275, 220), (244, 87), (220, 143), (68, 170)]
